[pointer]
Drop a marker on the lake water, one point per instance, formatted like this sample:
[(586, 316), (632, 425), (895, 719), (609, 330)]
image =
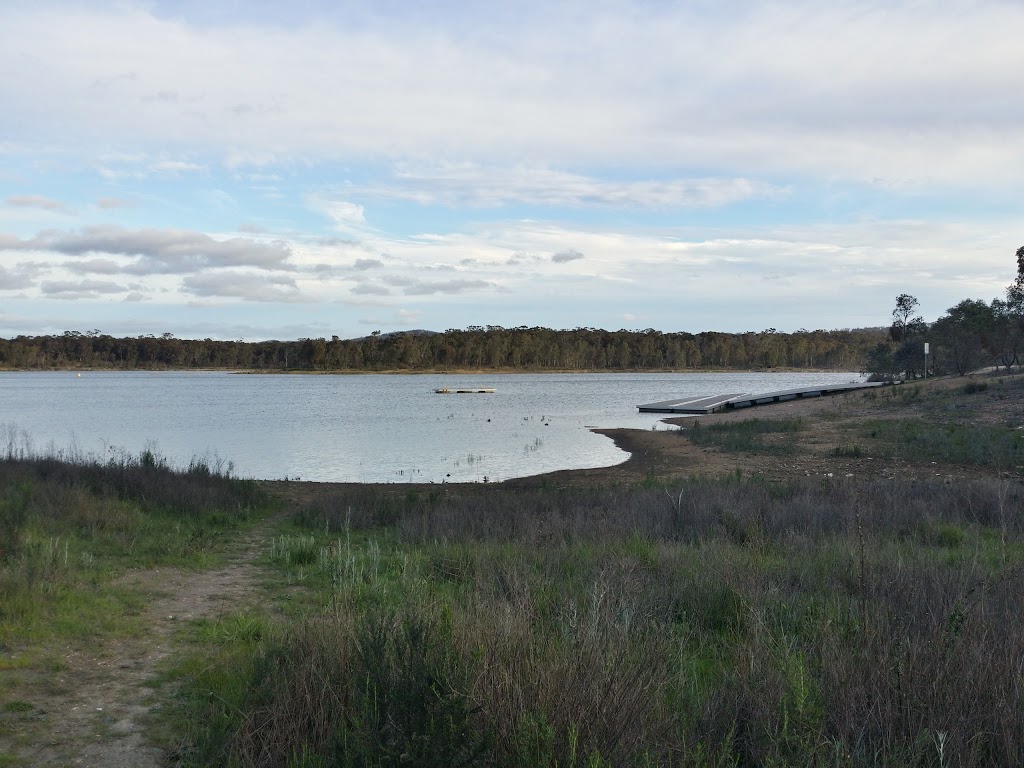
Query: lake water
[(367, 428)]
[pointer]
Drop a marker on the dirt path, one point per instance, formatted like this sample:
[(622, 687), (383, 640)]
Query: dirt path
[(91, 712)]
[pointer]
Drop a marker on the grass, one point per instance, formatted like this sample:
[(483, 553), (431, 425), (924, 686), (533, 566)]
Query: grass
[(68, 527), (726, 622), (713, 622), (966, 399), (919, 439), (848, 451), (748, 436)]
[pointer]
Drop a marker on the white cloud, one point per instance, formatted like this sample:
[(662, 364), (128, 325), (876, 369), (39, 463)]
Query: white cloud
[(35, 201), (474, 185), (95, 266), (18, 277), (370, 289), (108, 203), (345, 213), (408, 317), (862, 90), (429, 288), (728, 279), (243, 285), (158, 250), (655, 138), (81, 289), (175, 167)]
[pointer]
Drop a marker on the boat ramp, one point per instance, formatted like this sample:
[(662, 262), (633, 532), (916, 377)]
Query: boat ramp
[(716, 403)]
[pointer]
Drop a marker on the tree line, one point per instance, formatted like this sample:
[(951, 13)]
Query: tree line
[(972, 334), (474, 348)]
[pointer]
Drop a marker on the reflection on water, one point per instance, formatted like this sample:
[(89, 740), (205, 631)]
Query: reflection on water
[(366, 428)]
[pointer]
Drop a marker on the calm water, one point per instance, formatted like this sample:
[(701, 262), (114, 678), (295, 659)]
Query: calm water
[(359, 428)]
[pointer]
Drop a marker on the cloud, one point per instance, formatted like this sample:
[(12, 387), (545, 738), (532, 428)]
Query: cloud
[(172, 251), (402, 318), (175, 167), (243, 285), (35, 201), (344, 213), (370, 289), (471, 184), (364, 264), (18, 277), (108, 203), (426, 288), (95, 266), (905, 90), (122, 166), (563, 257), (337, 242), (82, 289)]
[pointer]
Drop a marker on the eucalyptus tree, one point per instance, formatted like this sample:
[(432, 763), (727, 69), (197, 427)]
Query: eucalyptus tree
[(966, 335)]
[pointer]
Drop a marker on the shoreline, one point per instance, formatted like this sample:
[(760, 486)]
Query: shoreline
[(427, 372), (833, 444), (647, 457)]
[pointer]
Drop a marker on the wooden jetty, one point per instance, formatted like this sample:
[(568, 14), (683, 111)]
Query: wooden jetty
[(716, 403), (466, 391)]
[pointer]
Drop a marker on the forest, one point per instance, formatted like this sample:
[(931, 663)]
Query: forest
[(475, 348)]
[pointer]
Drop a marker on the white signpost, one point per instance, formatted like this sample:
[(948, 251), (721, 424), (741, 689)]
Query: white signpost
[(926, 359)]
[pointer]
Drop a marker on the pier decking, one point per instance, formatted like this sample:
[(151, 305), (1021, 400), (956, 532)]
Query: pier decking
[(711, 404), (716, 403)]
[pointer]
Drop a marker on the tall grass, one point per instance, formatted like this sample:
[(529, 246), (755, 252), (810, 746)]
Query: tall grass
[(67, 524), (722, 623)]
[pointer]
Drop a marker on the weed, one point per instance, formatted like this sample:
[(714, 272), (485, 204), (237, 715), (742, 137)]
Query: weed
[(748, 436), (66, 526), (848, 451), (921, 440)]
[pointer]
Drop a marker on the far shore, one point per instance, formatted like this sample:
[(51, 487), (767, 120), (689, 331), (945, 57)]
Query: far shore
[(425, 372)]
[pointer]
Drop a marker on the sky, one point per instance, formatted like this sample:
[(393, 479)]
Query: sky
[(254, 170)]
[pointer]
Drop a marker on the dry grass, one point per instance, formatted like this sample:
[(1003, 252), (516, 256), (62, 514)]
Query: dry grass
[(717, 622)]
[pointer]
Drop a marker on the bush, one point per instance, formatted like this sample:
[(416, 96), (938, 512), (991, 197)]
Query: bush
[(379, 690)]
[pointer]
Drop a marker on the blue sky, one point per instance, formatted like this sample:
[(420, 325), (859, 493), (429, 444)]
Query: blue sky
[(267, 170)]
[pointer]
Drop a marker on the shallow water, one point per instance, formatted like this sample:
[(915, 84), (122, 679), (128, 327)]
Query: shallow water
[(367, 428)]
